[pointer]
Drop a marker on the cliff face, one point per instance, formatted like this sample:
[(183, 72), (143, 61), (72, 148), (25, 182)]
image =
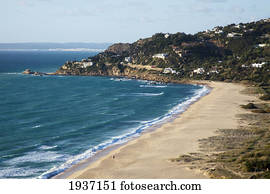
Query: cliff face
[(121, 71)]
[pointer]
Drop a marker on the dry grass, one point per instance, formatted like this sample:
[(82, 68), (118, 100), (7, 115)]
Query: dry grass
[(236, 153)]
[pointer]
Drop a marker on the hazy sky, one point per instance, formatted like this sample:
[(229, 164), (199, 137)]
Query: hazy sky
[(118, 20)]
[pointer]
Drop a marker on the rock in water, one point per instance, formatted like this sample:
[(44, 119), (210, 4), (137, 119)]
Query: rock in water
[(27, 71)]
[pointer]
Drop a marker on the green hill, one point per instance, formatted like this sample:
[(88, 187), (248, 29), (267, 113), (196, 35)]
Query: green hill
[(231, 53)]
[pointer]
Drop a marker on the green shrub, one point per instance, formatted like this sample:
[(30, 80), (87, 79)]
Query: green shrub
[(259, 111), (257, 164), (265, 97), (267, 110), (249, 106)]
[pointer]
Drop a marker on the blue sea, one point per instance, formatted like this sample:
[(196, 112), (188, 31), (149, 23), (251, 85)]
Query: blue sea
[(49, 123)]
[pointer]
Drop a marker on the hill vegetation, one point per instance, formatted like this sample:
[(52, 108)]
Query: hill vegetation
[(231, 53)]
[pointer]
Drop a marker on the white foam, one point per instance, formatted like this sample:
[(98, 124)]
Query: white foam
[(120, 79), (36, 126), (10, 172), (144, 81), (145, 94), (45, 147), (152, 86), (11, 73), (38, 157)]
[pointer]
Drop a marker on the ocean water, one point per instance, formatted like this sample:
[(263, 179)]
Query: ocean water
[(49, 123)]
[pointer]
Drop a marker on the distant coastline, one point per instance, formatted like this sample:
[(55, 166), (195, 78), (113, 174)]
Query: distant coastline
[(50, 45), (55, 50)]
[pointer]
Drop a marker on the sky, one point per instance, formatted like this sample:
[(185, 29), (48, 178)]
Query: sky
[(118, 20)]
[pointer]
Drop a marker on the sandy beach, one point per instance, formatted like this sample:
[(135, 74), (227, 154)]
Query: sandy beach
[(149, 155)]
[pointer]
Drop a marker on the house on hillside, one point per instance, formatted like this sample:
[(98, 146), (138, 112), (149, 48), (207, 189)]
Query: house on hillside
[(167, 35), (83, 63), (257, 65), (160, 55), (199, 70), (86, 64), (169, 70), (233, 34), (262, 45), (128, 59)]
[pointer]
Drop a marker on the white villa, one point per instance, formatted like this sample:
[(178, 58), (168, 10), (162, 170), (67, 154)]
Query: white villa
[(237, 26), (167, 35), (233, 34), (169, 70), (217, 30), (160, 55), (84, 64), (262, 45), (199, 71), (128, 59), (87, 64), (257, 65)]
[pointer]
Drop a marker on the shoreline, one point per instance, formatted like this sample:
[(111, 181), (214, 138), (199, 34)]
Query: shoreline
[(149, 155), (167, 118)]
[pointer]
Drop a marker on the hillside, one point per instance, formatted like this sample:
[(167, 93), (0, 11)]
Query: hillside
[(230, 53)]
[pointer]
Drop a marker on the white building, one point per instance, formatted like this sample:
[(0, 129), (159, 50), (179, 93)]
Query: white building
[(169, 70), (160, 55), (262, 45), (128, 59), (199, 71), (219, 32), (257, 65), (214, 71), (233, 34), (86, 64), (167, 35)]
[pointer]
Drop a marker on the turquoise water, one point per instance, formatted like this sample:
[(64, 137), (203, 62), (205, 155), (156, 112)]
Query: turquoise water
[(49, 123)]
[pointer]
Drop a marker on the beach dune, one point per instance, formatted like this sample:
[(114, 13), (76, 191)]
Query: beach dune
[(149, 155)]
